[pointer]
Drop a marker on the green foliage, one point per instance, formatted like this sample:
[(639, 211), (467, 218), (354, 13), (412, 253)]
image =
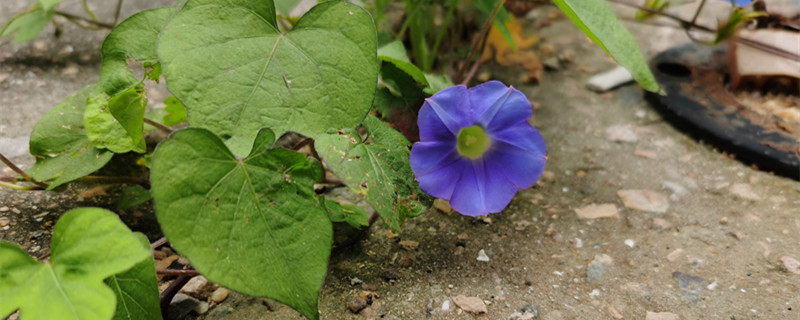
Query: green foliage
[(116, 123), (597, 21), (377, 169), (132, 40), (738, 16), (253, 225), (27, 25), (61, 146), (348, 213), (235, 72), (395, 53), (176, 112), (133, 196), (137, 289), (49, 4), (436, 83), (88, 245), (656, 5)]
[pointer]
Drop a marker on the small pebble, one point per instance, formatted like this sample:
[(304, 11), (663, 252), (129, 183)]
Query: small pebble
[(220, 294), (201, 308), (4, 221), (409, 245), (578, 243), (630, 243), (389, 275), (644, 200), (470, 304), (712, 286), (356, 304), (3, 209), (482, 256), (446, 305), (791, 264), (675, 254), (595, 211), (355, 281), (609, 79)]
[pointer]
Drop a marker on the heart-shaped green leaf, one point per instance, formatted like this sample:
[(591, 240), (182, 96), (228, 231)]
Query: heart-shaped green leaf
[(59, 143), (89, 244), (378, 170), (236, 72), (132, 40), (114, 116), (137, 289), (253, 225)]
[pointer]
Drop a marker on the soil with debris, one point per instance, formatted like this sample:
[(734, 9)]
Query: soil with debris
[(631, 220)]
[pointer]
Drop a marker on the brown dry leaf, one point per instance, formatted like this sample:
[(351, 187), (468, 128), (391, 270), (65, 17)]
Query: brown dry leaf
[(503, 54), (497, 47)]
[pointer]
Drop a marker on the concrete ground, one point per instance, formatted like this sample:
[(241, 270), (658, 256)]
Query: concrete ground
[(709, 238)]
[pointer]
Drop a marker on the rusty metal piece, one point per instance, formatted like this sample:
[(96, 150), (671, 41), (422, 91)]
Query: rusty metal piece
[(698, 102)]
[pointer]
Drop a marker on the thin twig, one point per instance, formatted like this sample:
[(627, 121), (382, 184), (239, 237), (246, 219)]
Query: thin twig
[(121, 180), (15, 168), (479, 40), (87, 20), (684, 23), (662, 13), (17, 187), (160, 242), (305, 142), (88, 11), (166, 297), (174, 272), (117, 11), (694, 21), (158, 126), (472, 72)]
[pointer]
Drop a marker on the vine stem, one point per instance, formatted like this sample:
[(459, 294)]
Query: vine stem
[(172, 272), (21, 173), (70, 16), (13, 186), (158, 126), (117, 11), (160, 242), (14, 167), (479, 41), (103, 179), (166, 297)]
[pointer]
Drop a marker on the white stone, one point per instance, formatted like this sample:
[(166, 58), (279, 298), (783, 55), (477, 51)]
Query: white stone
[(482, 256)]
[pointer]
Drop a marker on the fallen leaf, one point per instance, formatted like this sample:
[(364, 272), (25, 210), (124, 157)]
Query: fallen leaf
[(503, 54)]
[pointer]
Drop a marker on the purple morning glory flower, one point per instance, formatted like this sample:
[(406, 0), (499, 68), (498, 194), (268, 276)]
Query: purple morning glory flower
[(477, 148)]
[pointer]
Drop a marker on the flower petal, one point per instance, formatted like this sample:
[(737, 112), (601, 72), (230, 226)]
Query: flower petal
[(483, 96), (509, 109), (441, 182), (480, 192), (520, 167), (447, 107), (427, 156), (524, 136)]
